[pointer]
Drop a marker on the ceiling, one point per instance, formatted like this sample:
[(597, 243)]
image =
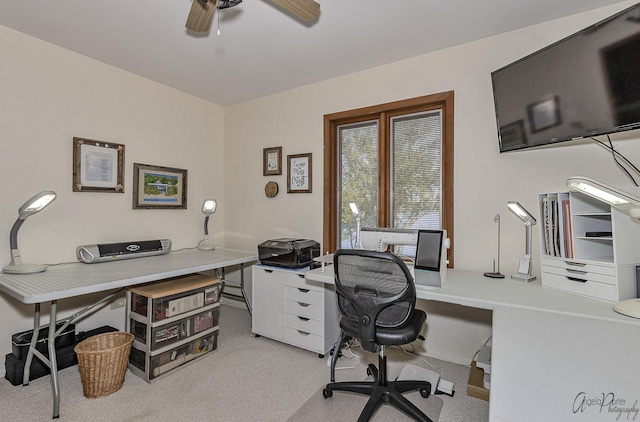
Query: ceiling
[(262, 50)]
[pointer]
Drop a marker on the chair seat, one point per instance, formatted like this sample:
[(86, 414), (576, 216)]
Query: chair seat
[(390, 336)]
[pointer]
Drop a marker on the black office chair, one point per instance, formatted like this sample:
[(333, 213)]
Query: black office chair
[(376, 300)]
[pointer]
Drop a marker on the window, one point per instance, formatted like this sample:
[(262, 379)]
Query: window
[(395, 161)]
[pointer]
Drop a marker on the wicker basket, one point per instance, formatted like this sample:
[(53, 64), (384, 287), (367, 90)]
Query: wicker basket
[(102, 360)]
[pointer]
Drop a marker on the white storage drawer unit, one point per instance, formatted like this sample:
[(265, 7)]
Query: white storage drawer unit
[(288, 308), (587, 248), (173, 322)]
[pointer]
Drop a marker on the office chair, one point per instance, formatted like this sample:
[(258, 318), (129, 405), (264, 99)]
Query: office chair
[(376, 299)]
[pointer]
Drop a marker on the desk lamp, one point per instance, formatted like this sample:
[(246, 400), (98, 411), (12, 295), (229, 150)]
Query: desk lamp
[(208, 208), (617, 199), (32, 206), (524, 269), (494, 273), (356, 214)]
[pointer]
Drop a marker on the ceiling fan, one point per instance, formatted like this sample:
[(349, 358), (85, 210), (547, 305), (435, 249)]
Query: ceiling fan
[(201, 14)]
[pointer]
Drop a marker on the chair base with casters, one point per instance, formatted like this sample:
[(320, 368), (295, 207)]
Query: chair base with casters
[(381, 390)]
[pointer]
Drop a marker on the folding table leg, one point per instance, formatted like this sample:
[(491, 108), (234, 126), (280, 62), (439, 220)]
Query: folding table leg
[(32, 345), (53, 360)]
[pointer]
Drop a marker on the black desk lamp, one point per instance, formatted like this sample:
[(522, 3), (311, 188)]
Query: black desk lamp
[(208, 208), (32, 206)]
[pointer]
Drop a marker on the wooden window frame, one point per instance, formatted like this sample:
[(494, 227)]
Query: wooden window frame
[(383, 113)]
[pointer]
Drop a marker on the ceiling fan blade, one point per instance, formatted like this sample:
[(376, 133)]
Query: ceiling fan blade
[(201, 15), (307, 10)]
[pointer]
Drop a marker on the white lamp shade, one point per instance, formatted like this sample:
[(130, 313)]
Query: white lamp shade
[(36, 203), (209, 206), (604, 193), (521, 212)]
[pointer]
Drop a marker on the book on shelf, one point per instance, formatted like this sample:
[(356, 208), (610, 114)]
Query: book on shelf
[(556, 219)]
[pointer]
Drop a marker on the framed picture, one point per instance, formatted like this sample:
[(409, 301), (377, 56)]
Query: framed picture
[(299, 173), (513, 134), (544, 114), (272, 161), (159, 187), (97, 166)]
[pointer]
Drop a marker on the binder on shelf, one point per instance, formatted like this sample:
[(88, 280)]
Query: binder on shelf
[(557, 226)]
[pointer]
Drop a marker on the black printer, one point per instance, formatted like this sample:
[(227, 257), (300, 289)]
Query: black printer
[(288, 253)]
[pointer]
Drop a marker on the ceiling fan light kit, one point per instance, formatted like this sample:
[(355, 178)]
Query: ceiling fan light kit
[(201, 13), (225, 4)]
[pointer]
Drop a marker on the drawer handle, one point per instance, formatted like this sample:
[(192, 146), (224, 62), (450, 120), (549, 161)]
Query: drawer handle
[(570, 270), (575, 264), (300, 275), (304, 305), (580, 280), (268, 271), (303, 290), (303, 318), (303, 333)]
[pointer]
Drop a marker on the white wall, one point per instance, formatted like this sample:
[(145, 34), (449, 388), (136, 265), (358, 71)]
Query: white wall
[(484, 179), (48, 95)]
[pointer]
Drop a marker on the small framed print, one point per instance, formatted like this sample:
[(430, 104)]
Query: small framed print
[(159, 187), (299, 173), (272, 161), (544, 114), (98, 166)]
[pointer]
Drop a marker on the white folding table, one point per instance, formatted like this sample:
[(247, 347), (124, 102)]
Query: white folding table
[(75, 279)]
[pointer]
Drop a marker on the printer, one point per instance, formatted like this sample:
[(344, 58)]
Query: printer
[(288, 252)]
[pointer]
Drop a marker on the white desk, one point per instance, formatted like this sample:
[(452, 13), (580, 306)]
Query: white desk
[(552, 352), (75, 279)]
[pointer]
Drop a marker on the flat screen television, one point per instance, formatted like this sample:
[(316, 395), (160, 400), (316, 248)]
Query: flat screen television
[(587, 84)]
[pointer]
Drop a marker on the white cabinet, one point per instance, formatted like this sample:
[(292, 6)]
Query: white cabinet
[(288, 308), (587, 247), (267, 314)]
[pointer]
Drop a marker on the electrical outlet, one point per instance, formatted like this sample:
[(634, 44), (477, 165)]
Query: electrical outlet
[(119, 303)]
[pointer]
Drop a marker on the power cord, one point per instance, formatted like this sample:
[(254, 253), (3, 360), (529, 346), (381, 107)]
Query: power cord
[(419, 356), (481, 347), (347, 347), (615, 154)]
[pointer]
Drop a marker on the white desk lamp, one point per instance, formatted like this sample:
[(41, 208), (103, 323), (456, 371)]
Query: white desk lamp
[(356, 214), (208, 208), (32, 206), (524, 269), (618, 199)]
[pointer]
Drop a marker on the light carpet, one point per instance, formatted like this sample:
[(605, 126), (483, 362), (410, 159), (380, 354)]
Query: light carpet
[(247, 379)]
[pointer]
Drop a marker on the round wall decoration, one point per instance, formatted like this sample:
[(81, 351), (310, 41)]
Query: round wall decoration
[(271, 189)]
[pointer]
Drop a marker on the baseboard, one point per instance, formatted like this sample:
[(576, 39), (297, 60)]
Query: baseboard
[(459, 360), (232, 301)]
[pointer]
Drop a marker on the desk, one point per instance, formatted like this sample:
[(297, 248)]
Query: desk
[(552, 353), (75, 279)]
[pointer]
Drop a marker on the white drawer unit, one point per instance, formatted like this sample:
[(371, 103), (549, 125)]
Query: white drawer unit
[(288, 308), (587, 247)]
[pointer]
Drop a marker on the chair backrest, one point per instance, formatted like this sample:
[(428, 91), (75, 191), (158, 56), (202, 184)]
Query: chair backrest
[(374, 289)]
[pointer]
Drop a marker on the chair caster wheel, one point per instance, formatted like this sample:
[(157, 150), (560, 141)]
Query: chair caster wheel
[(425, 393), (326, 393)]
